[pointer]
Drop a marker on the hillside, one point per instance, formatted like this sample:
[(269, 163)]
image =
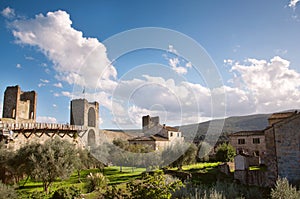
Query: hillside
[(231, 124), (197, 131)]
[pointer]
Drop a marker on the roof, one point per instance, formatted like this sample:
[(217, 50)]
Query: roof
[(282, 115), (169, 128), (155, 137), (248, 133)]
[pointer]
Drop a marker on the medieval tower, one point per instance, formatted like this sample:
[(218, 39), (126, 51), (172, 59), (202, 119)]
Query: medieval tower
[(19, 105), (84, 113)]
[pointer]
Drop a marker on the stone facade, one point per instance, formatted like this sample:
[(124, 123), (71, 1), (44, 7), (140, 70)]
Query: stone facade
[(19, 105), (86, 114), (249, 142), (157, 136), (283, 154)]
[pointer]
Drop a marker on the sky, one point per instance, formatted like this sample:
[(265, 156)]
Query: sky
[(185, 61)]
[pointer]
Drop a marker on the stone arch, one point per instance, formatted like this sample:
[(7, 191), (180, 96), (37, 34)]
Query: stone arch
[(92, 117), (91, 138)]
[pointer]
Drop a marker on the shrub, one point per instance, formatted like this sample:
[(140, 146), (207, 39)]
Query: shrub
[(225, 153), (284, 190), (66, 193), (7, 191), (96, 181), (153, 187)]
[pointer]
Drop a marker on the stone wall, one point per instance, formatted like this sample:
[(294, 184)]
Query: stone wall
[(287, 140), (248, 177)]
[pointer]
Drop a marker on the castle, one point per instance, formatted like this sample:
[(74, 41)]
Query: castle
[(18, 125)]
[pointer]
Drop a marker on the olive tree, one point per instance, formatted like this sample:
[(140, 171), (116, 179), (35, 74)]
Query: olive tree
[(46, 162)]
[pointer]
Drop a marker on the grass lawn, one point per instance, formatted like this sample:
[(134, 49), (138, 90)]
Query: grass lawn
[(112, 173)]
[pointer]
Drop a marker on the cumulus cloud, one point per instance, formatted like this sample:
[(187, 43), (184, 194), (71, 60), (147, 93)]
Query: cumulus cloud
[(8, 12), (58, 85), (293, 3), (271, 84), (77, 59), (46, 119), (18, 66), (174, 63)]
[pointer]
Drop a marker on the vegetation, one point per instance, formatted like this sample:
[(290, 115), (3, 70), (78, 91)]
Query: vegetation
[(96, 181), (7, 191), (225, 153), (284, 190)]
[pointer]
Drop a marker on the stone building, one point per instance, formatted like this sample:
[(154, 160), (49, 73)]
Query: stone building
[(19, 105), (84, 113), (250, 143), (283, 147), (156, 135), (278, 146)]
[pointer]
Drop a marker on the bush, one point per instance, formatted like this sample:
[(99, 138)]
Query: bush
[(225, 153), (284, 190), (153, 187), (66, 193), (7, 191), (96, 181)]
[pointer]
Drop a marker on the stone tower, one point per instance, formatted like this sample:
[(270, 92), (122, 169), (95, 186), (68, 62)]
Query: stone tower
[(150, 124), (84, 113), (19, 105)]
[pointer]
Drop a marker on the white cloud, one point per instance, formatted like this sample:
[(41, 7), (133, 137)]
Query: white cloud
[(54, 105), (44, 81), (171, 49), (58, 85), (77, 59), (272, 85), (293, 3), (174, 63), (8, 12), (56, 94), (46, 119), (18, 66), (41, 85)]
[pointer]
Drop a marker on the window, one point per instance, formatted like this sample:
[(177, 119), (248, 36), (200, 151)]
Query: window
[(171, 134), (178, 134), (241, 141), (256, 140)]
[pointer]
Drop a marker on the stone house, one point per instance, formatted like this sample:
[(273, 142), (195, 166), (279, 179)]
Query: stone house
[(282, 139), (278, 147), (157, 136), (251, 143)]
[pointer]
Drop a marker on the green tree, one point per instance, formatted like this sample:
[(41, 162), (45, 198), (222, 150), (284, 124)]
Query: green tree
[(225, 153), (184, 153), (53, 159), (284, 190), (203, 151)]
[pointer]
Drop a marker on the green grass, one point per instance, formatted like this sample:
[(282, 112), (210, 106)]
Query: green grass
[(200, 166), (261, 168), (112, 173)]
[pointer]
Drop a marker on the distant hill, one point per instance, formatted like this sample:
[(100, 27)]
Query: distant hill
[(231, 125), (196, 132)]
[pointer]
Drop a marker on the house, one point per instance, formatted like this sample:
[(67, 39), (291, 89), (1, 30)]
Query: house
[(278, 146), (251, 143), (156, 135), (282, 139)]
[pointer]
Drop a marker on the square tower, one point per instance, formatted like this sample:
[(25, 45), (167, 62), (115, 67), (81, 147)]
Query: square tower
[(84, 113), (19, 105)]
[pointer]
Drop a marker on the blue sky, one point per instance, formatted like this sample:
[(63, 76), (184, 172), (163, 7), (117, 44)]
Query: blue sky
[(254, 45)]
